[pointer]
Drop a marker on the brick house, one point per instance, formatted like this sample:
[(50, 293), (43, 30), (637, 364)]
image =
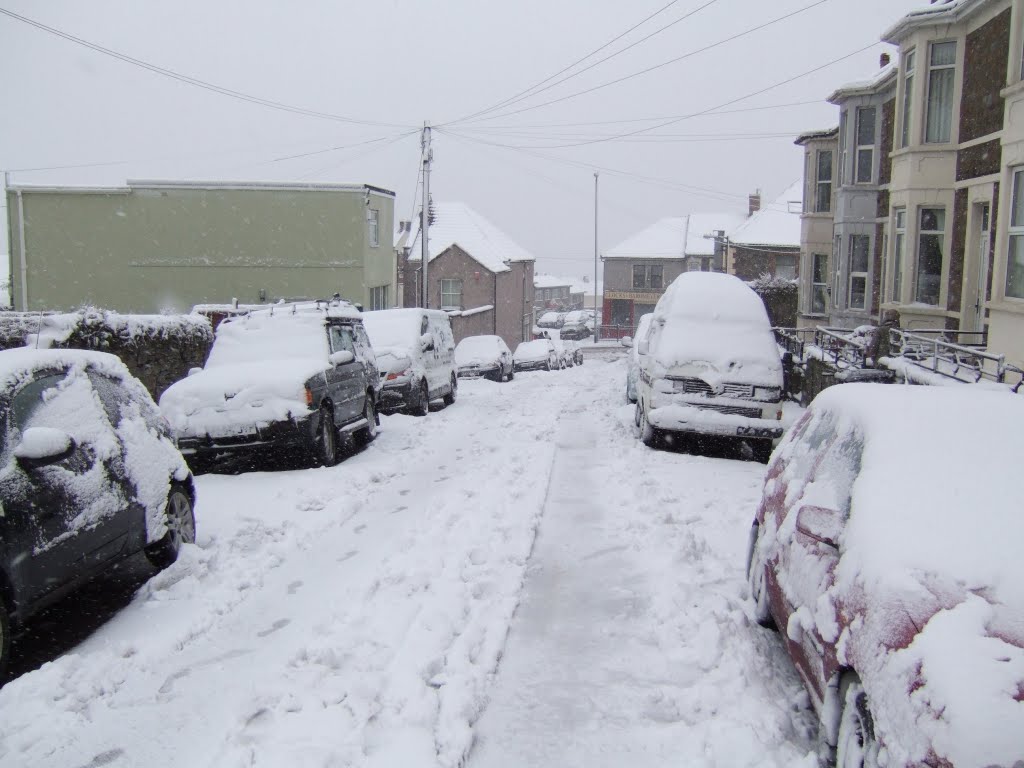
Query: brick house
[(637, 270), (958, 81), (476, 273), (768, 242), (816, 225), (560, 294)]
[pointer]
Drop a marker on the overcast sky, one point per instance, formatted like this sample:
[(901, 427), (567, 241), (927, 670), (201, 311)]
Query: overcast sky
[(393, 64)]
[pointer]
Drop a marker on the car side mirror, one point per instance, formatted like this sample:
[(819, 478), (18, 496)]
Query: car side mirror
[(194, 371), (426, 342), (341, 357), (41, 446), (627, 341), (819, 523), (643, 347)]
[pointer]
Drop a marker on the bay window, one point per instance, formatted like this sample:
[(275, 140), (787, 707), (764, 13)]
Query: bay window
[(939, 108), (819, 283), (859, 247), (823, 196), (930, 246), (865, 155), (899, 250), (1015, 249)]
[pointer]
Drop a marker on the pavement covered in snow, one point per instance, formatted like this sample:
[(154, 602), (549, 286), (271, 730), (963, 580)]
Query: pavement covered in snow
[(514, 580)]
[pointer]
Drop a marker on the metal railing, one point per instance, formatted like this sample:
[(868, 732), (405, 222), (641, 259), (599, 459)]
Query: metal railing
[(964, 362), (616, 331)]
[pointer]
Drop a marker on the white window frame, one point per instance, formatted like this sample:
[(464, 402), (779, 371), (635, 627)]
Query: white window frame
[(823, 183), (899, 247), (858, 274), (451, 287), (379, 297), (842, 146), (373, 227), (868, 149), (932, 70), (1015, 230), (921, 234), (909, 64)]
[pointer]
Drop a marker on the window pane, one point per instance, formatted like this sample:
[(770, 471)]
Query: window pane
[(824, 202), (908, 92), (897, 281), (859, 253), (819, 297), (1015, 268), (929, 269), (865, 126), (933, 219), (820, 270), (858, 291), (825, 165), (865, 159), (944, 54), (1017, 200), (638, 276), (655, 278)]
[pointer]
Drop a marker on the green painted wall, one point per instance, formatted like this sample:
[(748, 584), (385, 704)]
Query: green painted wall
[(157, 248)]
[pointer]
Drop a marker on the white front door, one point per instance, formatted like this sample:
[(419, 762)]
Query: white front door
[(974, 313)]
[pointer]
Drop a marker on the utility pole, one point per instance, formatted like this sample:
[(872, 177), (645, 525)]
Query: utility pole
[(428, 156), (597, 325)]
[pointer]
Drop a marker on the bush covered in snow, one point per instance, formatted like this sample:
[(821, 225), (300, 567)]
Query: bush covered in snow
[(158, 349), (780, 298)]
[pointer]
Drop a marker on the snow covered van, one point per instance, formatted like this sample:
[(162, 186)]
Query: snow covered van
[(295, 376), (416, 352), (710, 365)]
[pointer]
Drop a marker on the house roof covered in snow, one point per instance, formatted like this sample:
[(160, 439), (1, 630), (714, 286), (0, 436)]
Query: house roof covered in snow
[(943, 12), (826, 133), (676, 237), (777, 224), (458, 224), (885, 77)]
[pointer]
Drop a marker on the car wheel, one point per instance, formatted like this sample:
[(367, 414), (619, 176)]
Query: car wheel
[(856, 746), (755, 577), (365, 435), (5, 640), (648, 434), (326, 439), (547, 366), (511, 373), (181, 529), (449, 399), (422, 405)]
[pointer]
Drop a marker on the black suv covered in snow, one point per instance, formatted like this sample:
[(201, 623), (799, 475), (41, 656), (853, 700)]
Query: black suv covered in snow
[(89, 475), (291, 377)]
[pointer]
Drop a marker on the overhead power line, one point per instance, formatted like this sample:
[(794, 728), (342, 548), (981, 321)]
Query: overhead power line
[(526, 95), (675, 60), (565, 69), (192, 80)]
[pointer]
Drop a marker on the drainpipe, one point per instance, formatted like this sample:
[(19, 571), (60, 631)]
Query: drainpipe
[(21, 249), (494, 313)]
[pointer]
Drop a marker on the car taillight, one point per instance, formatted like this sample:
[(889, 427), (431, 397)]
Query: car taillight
[(393, 376), (309, 397)]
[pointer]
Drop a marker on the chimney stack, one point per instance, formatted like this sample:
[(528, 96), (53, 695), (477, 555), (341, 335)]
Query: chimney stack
[(883, 61), (754, 203)]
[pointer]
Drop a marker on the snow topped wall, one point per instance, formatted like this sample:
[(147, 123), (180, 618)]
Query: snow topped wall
[(158, 349)]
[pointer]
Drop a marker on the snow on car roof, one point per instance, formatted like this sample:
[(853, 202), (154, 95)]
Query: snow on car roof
[(17, 364), (935, 522), (287, 332), (395, 327)]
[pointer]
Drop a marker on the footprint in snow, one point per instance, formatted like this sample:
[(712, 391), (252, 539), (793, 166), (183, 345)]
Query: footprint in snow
[(348, 555), (396, 510), (294, 587), (104, 758), (279, 624)]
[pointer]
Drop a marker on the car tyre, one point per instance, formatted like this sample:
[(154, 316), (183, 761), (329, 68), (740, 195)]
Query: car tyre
[(449, 399), (366, 435), (762, 450), (511, 374), (326, 439), (856, 746), (648, 434), (755, 578), (181, 528), (422, 405)]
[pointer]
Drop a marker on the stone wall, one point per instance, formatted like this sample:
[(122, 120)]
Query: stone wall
[(158, 349)]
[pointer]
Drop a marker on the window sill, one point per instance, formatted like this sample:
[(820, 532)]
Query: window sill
[(1015, 306), (1012, 90)]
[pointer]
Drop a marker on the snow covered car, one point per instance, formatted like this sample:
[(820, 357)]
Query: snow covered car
[(710, 365), (536, 355), (416, 353), (886, 547), (293, 377), (88, 476), (633, 359), (487, 356), (576, 325), (551, 320)]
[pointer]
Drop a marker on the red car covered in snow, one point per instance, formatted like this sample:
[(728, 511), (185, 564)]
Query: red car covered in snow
[(886, 549)]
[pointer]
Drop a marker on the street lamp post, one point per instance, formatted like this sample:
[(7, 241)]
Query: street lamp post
[(597, 325)]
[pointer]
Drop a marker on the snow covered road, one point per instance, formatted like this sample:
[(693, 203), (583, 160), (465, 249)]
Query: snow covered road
[(357, 615)]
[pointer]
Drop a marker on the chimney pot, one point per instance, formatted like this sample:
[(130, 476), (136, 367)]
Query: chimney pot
[(753, 203), (883, 61)]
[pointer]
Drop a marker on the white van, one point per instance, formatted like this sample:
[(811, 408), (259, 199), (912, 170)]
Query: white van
[(710, 365), (415, 350)]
